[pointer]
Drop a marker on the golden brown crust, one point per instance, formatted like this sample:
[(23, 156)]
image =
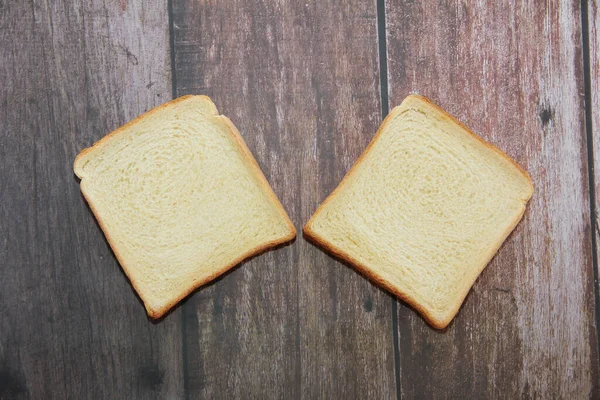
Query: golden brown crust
[(469, 131), (258, 172), (429, 318), (373, 276), (157, 313), (134, 121)]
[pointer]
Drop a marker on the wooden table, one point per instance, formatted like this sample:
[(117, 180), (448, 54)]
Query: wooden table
[(307, 83)]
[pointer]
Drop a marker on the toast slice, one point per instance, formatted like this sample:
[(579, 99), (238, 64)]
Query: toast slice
[(180, 199), (424, 209)]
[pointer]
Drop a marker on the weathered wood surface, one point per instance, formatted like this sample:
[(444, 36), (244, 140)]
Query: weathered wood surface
[(593, 115), (514, 74), (301, 80), (70, 324), (304, 92)]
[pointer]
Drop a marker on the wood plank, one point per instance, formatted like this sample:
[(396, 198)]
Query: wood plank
[(513, 73), (70, 324), (300, 80), (593, 52)]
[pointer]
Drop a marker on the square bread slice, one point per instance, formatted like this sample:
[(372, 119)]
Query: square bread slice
[(424, 209), (180, 199)]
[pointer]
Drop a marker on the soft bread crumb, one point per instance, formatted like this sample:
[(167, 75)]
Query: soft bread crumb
[(180, 199), (424, 209)]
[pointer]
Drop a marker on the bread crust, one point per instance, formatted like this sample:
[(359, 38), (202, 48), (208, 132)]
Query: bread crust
[(78, 168), (156, 313), (437, 323), (473, 134)]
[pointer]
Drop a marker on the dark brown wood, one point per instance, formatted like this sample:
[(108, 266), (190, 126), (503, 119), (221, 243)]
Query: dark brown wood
[(300, 80), (513, 73), (70, 324), (593, 52)]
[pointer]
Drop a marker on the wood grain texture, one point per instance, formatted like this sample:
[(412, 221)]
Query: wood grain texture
[(593, 15), (300, 81), (514, 75), (70, 324)]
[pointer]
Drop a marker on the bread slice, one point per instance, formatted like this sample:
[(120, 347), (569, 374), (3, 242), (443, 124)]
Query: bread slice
[(180, 199), (424, 209)]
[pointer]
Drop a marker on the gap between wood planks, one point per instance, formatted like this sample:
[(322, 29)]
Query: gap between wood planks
[(587, 83), (383, 77), (385, 109), (184, 349)]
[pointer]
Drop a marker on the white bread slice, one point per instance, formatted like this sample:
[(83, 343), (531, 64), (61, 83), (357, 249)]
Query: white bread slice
[(424, 209), (180, 199)]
